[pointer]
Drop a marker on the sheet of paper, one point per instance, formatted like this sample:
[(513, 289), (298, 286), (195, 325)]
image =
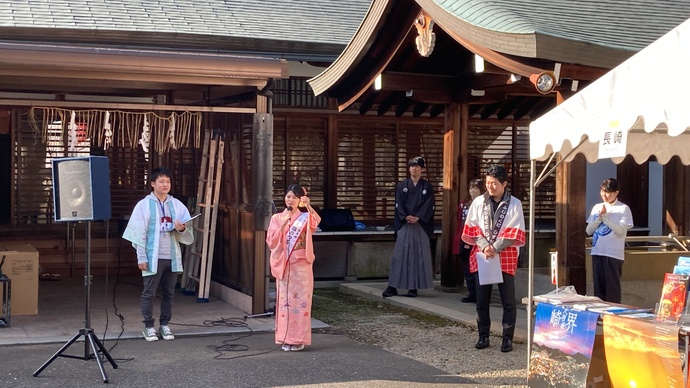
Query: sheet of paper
[(489, 270), (191, 219)]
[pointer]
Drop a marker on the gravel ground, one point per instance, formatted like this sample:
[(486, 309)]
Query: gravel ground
[(438, 342)]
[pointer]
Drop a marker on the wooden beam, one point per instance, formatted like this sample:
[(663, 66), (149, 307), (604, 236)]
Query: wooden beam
[(402, 82), (489, 96), (419, 109), (432, 97), (387, 103), (529, 107), (403, 104), (482, 80), (490, 109), (509, 106), (437, 110), (541, 107), (418, 83), (119, 106), (582, 73), (367, 103), (474, 109)]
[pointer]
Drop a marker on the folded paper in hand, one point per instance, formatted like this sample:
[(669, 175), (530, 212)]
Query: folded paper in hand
[(192, 219), (489, 270)]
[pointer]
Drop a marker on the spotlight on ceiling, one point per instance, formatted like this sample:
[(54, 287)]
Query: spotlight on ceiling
[(478, 64), (377, 82), (544, 82)]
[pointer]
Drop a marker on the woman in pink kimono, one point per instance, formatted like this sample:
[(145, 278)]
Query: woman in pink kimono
[(289, 237)]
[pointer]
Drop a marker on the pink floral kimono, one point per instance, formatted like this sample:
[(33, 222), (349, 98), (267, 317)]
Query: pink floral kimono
[(292, 258)]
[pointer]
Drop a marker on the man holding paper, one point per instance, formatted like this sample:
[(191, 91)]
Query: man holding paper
[(496, 227), (156, 231)]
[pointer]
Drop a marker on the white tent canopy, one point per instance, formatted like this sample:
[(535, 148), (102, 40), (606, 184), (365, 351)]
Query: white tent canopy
[(648, 96)]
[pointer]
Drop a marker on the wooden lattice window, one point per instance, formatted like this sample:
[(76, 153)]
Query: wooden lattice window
[(32, 196), (299, 157), (295, 92), (509, 147)]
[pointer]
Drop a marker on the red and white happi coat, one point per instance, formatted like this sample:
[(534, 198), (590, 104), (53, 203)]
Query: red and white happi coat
[(513, 228)]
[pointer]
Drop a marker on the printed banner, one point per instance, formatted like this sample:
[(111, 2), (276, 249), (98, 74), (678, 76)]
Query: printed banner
[(562, 346), (614, 141), (642, 353)]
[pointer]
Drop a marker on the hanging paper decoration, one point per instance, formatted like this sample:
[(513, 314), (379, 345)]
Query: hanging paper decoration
[(108, 129), (72, 133), (171, 132), (145, 135), (108, 139)]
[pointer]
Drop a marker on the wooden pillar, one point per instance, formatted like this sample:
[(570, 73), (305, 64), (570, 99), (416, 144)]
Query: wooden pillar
[(262, 196), (454, 187), (676, 201), (330, 193), (634, 184), (570, 221)]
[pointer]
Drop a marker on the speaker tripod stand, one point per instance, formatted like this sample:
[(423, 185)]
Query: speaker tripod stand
[(92, 345)]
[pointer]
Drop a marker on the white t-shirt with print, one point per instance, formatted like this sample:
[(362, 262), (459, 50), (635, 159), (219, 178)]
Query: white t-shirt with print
[(604, 241)]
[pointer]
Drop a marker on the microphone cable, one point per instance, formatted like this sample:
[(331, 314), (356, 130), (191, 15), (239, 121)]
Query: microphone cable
[(228, 346), (105, 296)]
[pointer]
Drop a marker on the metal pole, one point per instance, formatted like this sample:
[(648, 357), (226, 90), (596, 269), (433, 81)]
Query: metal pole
[(530, 247), (87, 292)]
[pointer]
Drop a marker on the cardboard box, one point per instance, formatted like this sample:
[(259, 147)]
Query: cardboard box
[(21, 266)]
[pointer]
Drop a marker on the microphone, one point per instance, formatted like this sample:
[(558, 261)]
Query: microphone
[(287, 218), (673, 237)]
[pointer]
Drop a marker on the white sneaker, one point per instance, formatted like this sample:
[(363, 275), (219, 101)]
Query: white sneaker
[(166, 333), (296, 348), (286, 347), (150, 334)]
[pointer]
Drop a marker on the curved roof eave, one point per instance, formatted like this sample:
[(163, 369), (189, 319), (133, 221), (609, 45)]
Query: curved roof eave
[(526, 41), (598, 34), (355, 50)]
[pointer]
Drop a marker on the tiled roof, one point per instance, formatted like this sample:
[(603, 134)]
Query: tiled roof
[(322, 21), (621, 24)]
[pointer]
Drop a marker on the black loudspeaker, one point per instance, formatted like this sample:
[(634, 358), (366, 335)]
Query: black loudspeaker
[(81, 188), (336, 220)]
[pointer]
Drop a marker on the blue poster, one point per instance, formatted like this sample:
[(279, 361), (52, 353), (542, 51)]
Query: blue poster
[(562, 346)]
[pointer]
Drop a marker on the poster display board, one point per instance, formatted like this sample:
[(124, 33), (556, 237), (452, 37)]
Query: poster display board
[(642, 353), (562, 346)]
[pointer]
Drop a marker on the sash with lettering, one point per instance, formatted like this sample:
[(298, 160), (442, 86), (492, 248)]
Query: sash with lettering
[(501, 216), (294, 233)]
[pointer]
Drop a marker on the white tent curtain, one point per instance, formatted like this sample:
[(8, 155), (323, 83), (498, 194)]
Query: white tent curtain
[(647, 96)]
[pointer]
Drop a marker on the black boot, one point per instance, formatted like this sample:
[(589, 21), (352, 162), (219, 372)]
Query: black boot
[(507, 345), (390, 291), (483, 343), (412, 293)]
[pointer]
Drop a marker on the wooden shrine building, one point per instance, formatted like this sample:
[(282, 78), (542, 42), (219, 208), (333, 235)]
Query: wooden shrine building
[(489, 68)]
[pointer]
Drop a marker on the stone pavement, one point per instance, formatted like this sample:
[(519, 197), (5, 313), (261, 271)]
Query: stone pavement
[(444, 304), (216, 344), (242, 360), (115, 314), (62, 311)]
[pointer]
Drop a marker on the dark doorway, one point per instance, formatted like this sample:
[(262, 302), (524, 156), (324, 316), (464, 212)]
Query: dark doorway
[(5, 166), (5, 178)]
